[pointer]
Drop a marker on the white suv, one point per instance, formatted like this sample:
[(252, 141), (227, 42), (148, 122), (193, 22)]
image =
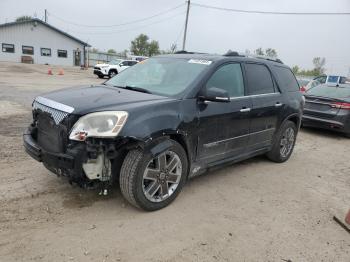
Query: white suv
[(113, 67)]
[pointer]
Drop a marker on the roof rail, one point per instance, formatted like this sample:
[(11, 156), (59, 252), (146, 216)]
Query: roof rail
[(232, 53), (187, 52), (235, 53), (266, 58)]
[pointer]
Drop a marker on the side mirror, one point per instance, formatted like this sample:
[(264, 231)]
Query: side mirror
[(216, 95)]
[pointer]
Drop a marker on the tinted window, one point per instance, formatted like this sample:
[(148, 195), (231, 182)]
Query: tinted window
[(228, 77), (259, 79), (286, 79)]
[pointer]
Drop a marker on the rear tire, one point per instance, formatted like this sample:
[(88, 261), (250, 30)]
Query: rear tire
[(147, 182), (284, 142)]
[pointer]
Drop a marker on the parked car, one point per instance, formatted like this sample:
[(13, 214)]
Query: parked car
[(113, 67), (303, 82), (166, 120), (328, 106), (325, 79)]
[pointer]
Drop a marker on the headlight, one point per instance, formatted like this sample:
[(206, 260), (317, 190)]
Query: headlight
[(100, 124)]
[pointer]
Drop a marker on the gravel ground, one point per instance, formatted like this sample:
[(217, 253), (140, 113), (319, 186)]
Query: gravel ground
[(252, 211)]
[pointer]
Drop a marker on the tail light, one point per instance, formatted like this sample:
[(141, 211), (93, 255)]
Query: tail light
[(302, 89), (341, 105)]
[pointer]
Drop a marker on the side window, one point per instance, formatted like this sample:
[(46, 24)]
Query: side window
[(286, 79), (228, 77), (322, 79), (259, 79)]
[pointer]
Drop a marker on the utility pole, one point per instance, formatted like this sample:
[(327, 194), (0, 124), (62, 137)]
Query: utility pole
[(45, 16), (185, 32)]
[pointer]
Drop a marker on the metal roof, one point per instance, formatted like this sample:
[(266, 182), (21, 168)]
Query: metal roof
[(45, 24)]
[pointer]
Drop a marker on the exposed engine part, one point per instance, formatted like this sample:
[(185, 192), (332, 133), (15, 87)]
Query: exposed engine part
[(99, 168)]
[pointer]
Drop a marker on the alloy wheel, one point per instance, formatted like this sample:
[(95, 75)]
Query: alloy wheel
[(162, 176), (287, 142)]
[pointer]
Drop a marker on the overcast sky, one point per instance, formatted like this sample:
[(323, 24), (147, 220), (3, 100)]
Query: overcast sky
[(297, 39)]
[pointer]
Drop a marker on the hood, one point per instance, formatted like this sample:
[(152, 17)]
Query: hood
[(88, 99)]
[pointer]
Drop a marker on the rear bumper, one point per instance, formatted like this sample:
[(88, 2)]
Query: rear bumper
[(329, 124)]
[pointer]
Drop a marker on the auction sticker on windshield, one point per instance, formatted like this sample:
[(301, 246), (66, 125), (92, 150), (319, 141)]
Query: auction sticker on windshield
[(200, 61)]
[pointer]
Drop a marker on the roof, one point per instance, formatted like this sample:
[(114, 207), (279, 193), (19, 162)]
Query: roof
[(45, 24)]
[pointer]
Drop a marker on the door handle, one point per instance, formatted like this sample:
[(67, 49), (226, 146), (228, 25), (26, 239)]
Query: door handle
[(278, 104), (244, 110)]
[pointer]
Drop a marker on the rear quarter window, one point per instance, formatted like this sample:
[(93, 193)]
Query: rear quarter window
[(286, 79), (259, 79)]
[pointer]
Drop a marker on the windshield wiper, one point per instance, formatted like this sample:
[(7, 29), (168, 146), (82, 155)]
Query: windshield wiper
[(137, 89)]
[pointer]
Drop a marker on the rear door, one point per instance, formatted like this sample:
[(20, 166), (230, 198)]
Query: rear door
[(224, 126), (267, 103)]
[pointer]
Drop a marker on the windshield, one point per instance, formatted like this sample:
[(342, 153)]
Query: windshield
[(163, 76), (340, 92), (115, 62)]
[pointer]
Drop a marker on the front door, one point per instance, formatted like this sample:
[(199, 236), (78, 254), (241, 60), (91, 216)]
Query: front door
[(267, 105), (224, 126), (77, 57)]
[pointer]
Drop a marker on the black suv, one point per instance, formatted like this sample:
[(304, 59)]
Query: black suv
[(165, 120)]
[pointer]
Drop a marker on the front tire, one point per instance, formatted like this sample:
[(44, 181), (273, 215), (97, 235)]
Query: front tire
[(152, 183), (112, 73), (284, 142)]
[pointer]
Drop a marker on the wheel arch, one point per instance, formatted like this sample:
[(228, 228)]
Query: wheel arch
[(295, 118), (112, 70)]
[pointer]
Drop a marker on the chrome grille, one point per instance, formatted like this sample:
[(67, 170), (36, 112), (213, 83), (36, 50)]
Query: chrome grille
[(56, 114)]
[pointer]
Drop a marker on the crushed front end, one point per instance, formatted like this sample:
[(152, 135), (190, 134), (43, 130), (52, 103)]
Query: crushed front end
[(87, 163)]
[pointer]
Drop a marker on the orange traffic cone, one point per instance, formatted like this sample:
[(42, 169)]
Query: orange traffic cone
[(49, 72), (60, 72), (347, 218)]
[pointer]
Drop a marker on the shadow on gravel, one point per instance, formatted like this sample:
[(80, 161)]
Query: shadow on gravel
[(80, 198), (323, 132)]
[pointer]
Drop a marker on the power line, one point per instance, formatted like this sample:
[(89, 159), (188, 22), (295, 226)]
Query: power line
[(266, 12), (121, 24), (130, 29)]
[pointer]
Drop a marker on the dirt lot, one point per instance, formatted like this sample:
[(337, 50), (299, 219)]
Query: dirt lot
[(252, 211)]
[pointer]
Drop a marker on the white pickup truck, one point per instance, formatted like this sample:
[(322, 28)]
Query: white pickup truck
[(113, 67)]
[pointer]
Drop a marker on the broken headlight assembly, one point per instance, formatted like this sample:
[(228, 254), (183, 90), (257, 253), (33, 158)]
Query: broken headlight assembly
[(105, 124)]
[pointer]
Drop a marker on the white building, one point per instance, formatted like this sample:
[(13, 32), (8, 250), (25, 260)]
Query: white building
[(41, 43)]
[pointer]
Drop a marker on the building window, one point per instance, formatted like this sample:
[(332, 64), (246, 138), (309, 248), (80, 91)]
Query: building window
[(45, 51), (8, 48), (27, 50), (62, 53)]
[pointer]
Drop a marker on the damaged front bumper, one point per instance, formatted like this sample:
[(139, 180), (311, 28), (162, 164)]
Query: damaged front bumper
[(68, 164)]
